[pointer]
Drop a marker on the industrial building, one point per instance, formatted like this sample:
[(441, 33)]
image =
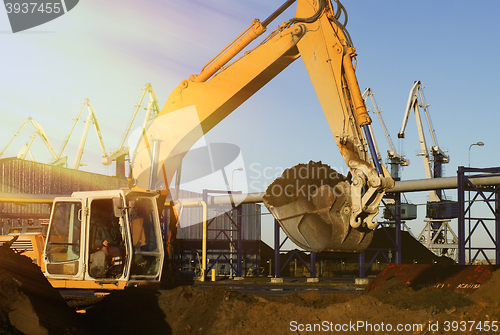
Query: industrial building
[(18, 176)]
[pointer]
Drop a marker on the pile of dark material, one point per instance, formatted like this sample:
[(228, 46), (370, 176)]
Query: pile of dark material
[(412, 251), (28, 303), (301, 179)]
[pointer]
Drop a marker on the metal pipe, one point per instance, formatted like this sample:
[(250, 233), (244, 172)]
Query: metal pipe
[(400, 186), (439, 183), (30, 198), (249, 198)]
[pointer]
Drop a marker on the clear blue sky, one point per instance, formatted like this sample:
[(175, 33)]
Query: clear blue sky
[(107, 51)]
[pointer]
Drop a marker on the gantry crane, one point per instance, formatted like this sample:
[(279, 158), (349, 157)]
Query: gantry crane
[(152, 111), (439, 211)]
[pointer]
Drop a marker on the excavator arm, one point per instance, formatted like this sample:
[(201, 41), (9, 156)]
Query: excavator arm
[(199, 103)]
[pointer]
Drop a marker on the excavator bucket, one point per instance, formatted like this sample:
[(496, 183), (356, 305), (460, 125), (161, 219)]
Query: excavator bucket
[(312, 204)]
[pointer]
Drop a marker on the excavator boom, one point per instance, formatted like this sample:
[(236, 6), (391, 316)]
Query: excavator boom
[(199, 103)]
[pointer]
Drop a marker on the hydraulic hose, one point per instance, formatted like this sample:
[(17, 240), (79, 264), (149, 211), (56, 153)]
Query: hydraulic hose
[(338, 13), (311, 19)]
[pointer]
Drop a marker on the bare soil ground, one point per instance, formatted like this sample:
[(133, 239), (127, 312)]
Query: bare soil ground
[(29, 305)]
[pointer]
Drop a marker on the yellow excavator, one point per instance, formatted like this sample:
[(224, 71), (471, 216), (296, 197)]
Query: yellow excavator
[(321, 214), (317, 208)]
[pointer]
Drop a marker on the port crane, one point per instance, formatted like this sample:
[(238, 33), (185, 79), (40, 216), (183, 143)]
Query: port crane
[(394, 159), (91, 119), (58, 160), (439, 210), (152, 111)]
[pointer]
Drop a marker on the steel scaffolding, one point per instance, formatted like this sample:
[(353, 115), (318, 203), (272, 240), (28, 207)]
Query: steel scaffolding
[(485, 217), (235, 248), (278, 244)]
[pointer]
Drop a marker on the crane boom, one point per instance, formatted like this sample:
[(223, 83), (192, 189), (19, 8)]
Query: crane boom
[(199, 103), (395, 160), (439, 156), (65, 143), (91, 118), (369, 94), (14, 137), (152, 111), (43, 136), (27, 146)]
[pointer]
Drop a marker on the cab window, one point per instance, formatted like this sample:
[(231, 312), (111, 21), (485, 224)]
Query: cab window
[(63, 241)]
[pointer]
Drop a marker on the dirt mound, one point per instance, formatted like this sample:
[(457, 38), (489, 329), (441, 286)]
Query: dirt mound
[(223, 311), (132, 311), (313, 299), (28, 303), (302, 179), (490, 290), (394, 292), (190, 310)]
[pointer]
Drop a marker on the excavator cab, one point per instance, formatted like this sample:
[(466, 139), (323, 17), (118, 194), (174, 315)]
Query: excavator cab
[(104, 238)]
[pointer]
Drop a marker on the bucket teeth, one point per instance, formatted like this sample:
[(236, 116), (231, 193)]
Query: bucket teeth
[(312, 204)]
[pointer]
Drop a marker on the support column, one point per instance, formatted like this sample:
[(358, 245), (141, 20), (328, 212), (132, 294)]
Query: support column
[(497, 226), (397, 220), (362, 272), (461, 216), (277, 265), (239, 268), (277, 270), (313, 278), (313, 265)]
